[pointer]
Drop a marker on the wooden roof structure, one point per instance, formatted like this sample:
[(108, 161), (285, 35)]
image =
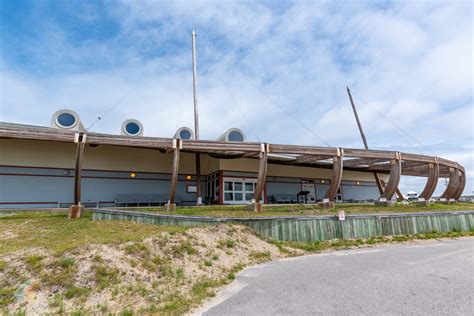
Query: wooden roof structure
[(393, 163)]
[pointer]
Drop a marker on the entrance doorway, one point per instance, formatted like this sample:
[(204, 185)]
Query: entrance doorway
[(239, 190)]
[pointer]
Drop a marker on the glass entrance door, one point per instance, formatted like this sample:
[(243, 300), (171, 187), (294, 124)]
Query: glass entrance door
[(239, 190)]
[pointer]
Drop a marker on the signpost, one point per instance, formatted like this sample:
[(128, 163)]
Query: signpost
[(342, 218)]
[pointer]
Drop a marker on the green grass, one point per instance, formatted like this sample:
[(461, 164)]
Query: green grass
[(319, 246), (305, 209), (55, 232)]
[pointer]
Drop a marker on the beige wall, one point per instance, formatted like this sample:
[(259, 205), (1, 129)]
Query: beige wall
[(62, 155)]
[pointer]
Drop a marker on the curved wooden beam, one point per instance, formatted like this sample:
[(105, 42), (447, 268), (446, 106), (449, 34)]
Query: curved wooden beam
[(461, 185), (77, 209), (174, 173), (337, 167), (394, 179), (431, 183), (262, 173), (452, 184), (78, 167)]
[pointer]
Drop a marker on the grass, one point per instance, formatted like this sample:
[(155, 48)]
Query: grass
[(319, 246), (305, 209), (53, 231)]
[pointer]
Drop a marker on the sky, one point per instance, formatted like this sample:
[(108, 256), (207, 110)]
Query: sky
[(278, 70)]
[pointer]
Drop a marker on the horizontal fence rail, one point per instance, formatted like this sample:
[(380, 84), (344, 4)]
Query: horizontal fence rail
[(315, 228)]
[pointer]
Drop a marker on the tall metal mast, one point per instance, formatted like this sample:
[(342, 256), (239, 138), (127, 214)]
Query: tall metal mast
[(196, 115), (362, 135), (196, 124)]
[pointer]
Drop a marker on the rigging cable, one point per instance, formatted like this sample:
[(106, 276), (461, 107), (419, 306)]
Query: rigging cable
[(283, 109), (126, 95), (180, 108), (234, 99), (394, 124)]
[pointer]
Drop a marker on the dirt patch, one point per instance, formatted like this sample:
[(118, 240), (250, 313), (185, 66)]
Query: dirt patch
[(169, 272)]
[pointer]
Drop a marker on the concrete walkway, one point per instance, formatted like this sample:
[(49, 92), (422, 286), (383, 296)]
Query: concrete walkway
[(433, 277)]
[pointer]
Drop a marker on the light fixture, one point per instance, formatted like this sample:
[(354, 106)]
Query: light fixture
[(188, 177), (133, 174), (357, 182), (322, 181)]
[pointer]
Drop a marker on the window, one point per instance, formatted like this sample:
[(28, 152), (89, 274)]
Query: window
[(184, 134), (235, 136), (132, 128), (66, 120)]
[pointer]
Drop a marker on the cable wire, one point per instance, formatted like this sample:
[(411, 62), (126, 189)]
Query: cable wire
[(234, 99), (393, 123), (180, 107), (126, 95), (283, 108)]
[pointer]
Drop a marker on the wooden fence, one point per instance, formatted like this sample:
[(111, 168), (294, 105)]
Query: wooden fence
[(314, 228)]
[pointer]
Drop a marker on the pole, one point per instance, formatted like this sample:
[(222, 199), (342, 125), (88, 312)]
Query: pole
[(76, 210), (362, 135), (196, 116), (196, 123)]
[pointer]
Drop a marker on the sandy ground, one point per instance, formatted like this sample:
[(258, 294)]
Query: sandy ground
[(145, 272)]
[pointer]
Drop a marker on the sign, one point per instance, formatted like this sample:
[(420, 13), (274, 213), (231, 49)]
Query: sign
[(342, 215), (191, 189)]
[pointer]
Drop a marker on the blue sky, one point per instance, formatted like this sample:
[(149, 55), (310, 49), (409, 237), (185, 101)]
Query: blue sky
[(410, 60)]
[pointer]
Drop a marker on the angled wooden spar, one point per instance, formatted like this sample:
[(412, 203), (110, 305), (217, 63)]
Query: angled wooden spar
[(174, 174), (433, 176), (394, 179), (452, 187), (461, 185), (364, 140), (76, 209), (336, 177), (262, 173)]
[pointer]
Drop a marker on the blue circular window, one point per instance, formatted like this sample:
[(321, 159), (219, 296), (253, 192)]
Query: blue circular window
[(66, 120), (132, 128), (184, 134), (235, 136)]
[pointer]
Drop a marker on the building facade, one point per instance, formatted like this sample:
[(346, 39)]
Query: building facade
[(38, 173)]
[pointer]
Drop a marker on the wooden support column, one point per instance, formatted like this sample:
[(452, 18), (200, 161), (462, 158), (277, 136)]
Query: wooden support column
[(452, 184), (262, 176), (198, 180), (432, 181), (461, 185), (393, 180), (337, 169), (76, 210), (171, 206)]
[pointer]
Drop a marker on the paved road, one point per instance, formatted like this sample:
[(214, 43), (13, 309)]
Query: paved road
[(423, 278)]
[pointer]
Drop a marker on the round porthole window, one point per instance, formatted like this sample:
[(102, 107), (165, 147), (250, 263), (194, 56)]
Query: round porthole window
[(184, 134), (132, 128), (66, 120), (235, 136)]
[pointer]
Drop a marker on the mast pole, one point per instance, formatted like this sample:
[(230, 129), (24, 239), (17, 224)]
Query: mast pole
[(196, 123), (364, 140), (362, 135)]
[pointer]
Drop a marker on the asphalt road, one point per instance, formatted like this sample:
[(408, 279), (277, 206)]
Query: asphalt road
[(422, 278)]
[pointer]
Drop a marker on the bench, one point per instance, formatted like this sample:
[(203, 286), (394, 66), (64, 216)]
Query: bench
[(143, 199), (284, 198)]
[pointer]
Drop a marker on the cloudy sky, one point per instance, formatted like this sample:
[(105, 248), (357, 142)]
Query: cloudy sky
[(278, 70)]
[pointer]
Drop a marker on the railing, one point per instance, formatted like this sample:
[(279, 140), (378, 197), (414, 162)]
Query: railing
[(314, 228)]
